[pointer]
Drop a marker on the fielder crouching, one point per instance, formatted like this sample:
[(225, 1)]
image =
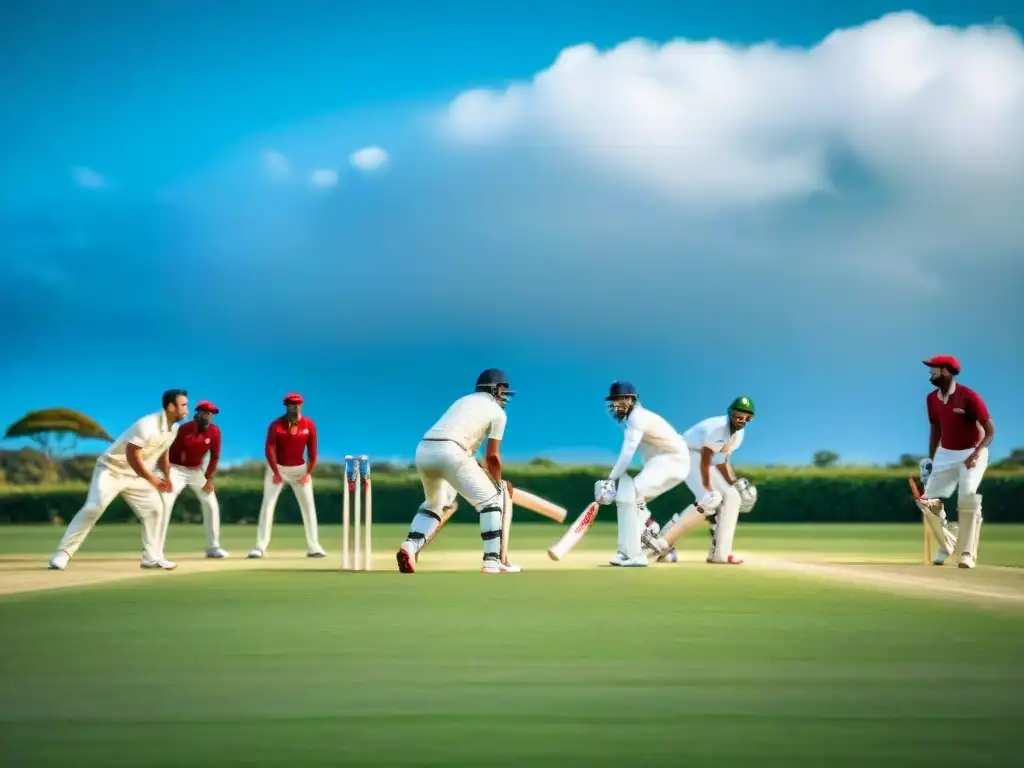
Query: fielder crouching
[(961, 431), (721, 496)]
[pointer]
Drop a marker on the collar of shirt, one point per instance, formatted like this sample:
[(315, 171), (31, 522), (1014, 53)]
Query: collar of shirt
[(945, 398)]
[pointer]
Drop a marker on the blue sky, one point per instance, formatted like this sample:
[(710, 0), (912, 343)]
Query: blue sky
[(792, 213)]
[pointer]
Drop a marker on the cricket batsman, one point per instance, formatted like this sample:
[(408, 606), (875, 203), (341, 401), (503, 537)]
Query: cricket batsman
[(961, 432), (666, 464), (721, 496), (447, 467), (194, 441)]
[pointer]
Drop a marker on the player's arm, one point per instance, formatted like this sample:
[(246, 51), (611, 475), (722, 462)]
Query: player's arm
[(492, 453), (133, 454), (630, 442), (983, 417), (936, 431), (165, 464), (727, 471), (211, 466), (270, 451), (311, 450), (706, 457)]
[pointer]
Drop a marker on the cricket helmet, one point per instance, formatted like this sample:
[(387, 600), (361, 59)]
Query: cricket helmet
[(622, 398), (490, 380)]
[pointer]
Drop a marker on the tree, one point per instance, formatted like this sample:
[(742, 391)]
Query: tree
[(56, 430), (1014, 460), (908, 460), (824, 459), (542, 461)]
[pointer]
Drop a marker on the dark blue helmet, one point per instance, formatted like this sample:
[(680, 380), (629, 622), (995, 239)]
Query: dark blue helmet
[(495, 382), (622, 397)]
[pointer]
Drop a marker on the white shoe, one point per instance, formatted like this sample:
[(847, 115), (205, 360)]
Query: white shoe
[(216, 553), (941, 557), (254, 554), (318, 552), (618, 559), (966, 560), (510, 568), (161, 564), (491, 566), (731, 560), (59, 561), (640, 561)]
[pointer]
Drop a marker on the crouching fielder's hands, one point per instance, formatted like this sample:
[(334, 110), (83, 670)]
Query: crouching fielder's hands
[(748, 494), (604, 491)]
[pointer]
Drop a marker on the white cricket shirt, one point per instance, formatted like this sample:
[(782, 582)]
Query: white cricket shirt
[(714, 433), (469, 420), (650, 433), (151, 434)]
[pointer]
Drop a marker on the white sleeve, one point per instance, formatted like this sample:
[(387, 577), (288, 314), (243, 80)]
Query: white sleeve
[(498, 425), (630, 442), (141, 431)]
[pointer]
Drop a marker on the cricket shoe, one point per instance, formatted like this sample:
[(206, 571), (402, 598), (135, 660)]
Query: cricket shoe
[(59, 561), (731, 560), (966, 560), (216, 553), (510, 568), (618, 559), (406, 560), (638, 561), (496, 566), (158, 565), (318, 552), (254, 554), (941, 557)]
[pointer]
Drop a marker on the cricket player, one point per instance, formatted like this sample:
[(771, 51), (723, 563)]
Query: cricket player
[(721, 496), (195, 440), (125, 469), (666, 464), (291, 452), (961, 432), (446, 463)]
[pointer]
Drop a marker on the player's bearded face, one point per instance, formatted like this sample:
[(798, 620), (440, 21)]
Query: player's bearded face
[(501, 395), (938, 376), (203, 419), (741, 419), (292, 410), (620, 407)]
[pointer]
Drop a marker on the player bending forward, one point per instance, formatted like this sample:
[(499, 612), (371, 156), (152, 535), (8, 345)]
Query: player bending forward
[(721, 496), (961, 431), (666, 464), (446, 464), (126, 469)]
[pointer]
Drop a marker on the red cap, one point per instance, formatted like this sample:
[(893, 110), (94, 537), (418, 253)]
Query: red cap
[(944, 361), (293, 397), (206, 405)]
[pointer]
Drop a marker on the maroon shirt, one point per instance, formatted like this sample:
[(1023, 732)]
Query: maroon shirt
[(286, 445), (958, 418), (190, 446)]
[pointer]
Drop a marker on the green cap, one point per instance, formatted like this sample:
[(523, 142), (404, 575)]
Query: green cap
[(744, 404)]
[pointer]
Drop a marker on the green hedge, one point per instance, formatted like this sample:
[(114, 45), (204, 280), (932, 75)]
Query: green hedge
[(801, 495)]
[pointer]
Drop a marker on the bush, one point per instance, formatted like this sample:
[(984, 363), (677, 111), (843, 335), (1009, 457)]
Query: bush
[(785, 495)]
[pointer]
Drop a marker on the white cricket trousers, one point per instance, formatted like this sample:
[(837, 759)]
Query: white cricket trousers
[(194, 478), (661, 474), (949, 472), (303, 494), (727, 517), (143, 499), (446, 468)]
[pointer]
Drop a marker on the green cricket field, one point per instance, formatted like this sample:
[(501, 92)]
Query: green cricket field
[(833, 645)]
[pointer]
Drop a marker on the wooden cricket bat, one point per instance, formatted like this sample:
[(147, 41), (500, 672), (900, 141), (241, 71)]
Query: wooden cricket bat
[(529, 501), (576, 532)]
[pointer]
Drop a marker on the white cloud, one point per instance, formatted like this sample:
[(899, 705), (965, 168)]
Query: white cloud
[(920, 110), (323, 177), (369, 158), (276, 164), (87, 177)]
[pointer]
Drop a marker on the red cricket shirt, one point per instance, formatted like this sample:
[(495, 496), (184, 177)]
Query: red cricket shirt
[(286, 444), (958, 417), (190, 446)]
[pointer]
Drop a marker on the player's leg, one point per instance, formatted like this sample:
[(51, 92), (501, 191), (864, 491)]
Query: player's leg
[(103, 488), (723, 527), (307, 507), (692, 517), (271, 491), (941, 484), (969, 511), (660, 475), (178, 480), (438, 496), (148, 505), (478, 488), (210, 508)]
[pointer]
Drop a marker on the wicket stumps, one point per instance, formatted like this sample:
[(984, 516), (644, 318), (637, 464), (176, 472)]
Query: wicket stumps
[(357, 482)]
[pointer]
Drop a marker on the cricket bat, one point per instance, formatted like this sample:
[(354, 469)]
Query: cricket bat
[(529, 501), (576, 532)]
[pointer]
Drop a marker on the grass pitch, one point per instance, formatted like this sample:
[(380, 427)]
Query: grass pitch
[(832, 646)]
